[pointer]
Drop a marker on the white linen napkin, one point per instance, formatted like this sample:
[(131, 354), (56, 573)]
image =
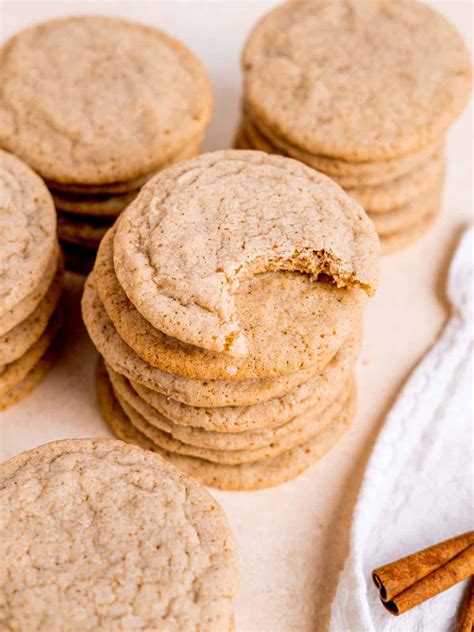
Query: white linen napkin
[(418, 485)]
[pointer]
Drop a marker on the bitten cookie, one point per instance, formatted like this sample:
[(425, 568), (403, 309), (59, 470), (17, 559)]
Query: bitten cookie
[(200, 228)]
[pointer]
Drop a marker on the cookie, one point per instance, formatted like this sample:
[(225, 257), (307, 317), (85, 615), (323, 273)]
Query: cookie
[(197, 436), (81, 230), (267, 473), (402, 190), (13, 373), (194, 234), (27, 232), (111, 537), (79, 190), (305, 331), (326, 76), (347, 174), (142, 415), (25, 307), (189, 391), (18, 340), (33, 378), (97, 100), (101, 202), (95, 205), (312, 394), (403, 218), (394, 242), (278, 440)]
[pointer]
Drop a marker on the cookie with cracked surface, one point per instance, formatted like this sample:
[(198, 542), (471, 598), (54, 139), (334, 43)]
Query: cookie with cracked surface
[(27, 306), (223, 447), (18, 340), (345, 173), (154, 547), (325, 76), (14, 372), (96, 100), (283, 337), (200, 228), (266, 473), (313, 394), (394, 242), (34, 377), (27, 232)]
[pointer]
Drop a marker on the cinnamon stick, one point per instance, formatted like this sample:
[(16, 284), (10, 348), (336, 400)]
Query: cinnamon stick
[(466, 623), (409, 581)]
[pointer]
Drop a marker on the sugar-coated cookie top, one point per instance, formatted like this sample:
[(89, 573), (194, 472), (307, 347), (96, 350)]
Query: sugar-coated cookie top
[(93, 100), (27, 231), (97, 534), (356, 79), (201, 227)]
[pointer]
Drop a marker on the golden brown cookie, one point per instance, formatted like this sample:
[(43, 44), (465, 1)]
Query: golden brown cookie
[(98, 100), (305, 331), (278, 440), (347, 174), (313, 394), (94, 205), (18, 340), (354, 79), (400, 240), (402, 190), (111, 537), (284, 337), (404, 217), (26, 306), (15, 372), (266, 473), (202, 227), (27, 232), (199, 437), (33, 378)]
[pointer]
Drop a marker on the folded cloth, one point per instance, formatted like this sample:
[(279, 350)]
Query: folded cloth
[(418, 486)]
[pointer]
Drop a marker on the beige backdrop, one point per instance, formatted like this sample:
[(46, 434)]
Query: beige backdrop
[(291, 540)]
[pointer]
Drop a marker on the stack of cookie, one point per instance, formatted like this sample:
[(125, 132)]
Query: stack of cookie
[(364, 92), (31, 278), (96, 106), (226, 304)]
